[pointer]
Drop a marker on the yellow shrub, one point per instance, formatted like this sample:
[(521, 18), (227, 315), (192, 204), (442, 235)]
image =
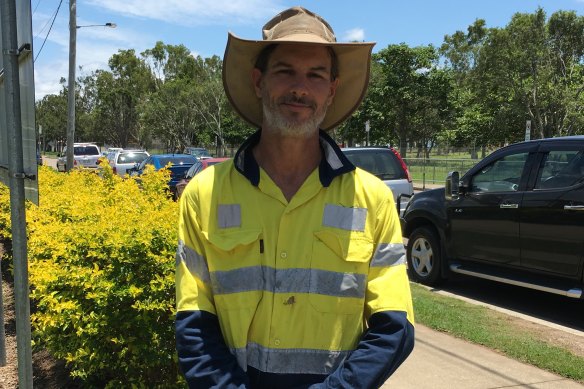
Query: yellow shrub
[(101, 267)]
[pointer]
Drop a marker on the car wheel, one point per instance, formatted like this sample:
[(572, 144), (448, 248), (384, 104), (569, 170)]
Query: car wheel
[(423, 256)]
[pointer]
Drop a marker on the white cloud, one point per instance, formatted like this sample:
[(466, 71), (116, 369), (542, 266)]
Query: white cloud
[(94, 45), (355, 34), (193, 12)]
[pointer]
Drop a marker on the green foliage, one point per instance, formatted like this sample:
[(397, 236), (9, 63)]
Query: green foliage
[(102, 253)]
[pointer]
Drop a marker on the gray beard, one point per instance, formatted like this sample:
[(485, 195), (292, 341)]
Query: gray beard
[(278, 124)]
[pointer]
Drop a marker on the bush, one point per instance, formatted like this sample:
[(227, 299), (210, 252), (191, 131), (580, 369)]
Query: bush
[(101, 268)]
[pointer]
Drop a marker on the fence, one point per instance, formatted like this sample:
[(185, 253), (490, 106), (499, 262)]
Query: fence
[(434, 171)]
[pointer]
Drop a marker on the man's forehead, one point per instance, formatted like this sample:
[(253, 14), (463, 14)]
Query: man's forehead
[(316, 55)]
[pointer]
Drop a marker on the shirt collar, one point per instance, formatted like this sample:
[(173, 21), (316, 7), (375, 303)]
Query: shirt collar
[(332, 165)]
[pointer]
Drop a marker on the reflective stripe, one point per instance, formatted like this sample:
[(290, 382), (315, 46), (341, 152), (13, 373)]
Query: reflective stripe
[(345, 218), (289, 281), (289, 361), (229, 215), (197, 264), (389, 254), (337, 284), (331, 157)]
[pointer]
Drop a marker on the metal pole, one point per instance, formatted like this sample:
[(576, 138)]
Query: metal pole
[(71, 82), (17, 196)]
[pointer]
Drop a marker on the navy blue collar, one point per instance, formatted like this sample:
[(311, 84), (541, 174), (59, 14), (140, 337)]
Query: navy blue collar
[(333, 164)]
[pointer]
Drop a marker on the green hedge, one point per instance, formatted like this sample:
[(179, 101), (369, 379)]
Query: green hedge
[(101, 253)]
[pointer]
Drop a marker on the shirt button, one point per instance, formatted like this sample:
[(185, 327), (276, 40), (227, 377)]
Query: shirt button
[(283, 255), (277, 342)]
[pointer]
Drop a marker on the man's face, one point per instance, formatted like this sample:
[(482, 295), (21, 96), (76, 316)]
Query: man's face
[(296, 89)]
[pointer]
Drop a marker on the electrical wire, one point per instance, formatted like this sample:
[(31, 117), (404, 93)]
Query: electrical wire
[(48, 32), (36, 6)]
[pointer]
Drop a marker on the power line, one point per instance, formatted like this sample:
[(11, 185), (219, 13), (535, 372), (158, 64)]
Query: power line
[(48, 32), (36, 6)]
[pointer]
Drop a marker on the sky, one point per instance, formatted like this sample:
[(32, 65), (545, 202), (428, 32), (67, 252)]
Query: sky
[(202, 25)]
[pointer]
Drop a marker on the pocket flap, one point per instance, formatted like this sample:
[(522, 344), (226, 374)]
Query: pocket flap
[(229, 240), (347, 246)]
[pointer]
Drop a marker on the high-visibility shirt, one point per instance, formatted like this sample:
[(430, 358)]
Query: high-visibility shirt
[(291, 285)]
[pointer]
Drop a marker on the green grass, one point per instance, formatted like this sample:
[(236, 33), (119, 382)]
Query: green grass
[(492, 329)]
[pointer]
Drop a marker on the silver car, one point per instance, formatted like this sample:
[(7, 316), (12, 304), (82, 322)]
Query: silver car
[(122, 160), (85, 156), (386, 164)]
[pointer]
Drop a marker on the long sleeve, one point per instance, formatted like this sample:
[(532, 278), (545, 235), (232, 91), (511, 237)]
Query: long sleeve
[(203, 356), (389, 337), (382, 349)]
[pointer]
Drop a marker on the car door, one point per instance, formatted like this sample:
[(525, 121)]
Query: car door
[(552, 214), (485, 218)]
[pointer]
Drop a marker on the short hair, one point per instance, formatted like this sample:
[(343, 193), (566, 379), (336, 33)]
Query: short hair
[(263, 58)]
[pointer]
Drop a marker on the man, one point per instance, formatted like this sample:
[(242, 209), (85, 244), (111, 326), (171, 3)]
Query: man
[(290, 265)]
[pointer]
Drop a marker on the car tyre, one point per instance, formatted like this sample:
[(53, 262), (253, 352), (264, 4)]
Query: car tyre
[(424, 256)]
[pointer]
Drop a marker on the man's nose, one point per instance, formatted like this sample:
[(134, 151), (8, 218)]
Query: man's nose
[(299, 85)]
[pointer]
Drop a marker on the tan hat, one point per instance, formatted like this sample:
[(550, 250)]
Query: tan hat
[(296, 25)]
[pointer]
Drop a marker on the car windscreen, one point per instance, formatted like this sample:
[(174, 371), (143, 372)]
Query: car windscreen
[(200, 153), (381, 163), (132, 157), (85, 150), (176, 160)]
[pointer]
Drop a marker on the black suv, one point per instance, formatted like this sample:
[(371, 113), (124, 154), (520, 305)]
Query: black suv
[(515, 217)]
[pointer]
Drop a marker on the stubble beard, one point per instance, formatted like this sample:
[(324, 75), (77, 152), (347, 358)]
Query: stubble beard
[(276, 122)]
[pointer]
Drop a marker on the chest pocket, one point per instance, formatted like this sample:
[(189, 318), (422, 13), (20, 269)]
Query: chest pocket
[(339, 269), (235, 268)]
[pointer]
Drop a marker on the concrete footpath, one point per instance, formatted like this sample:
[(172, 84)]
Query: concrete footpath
[(440, 361)]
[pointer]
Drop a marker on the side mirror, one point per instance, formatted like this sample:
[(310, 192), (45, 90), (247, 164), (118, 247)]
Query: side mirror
[(452, 187)]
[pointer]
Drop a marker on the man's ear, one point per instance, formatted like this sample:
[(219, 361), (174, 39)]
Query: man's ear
[(256, 77), (333, 90)]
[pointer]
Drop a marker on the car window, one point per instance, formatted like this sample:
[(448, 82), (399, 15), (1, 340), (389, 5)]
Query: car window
[(176, 160), (560, 169), (194, 170), (381, 163), (503, 175), (131, 157), (144, 163), (85, 150)]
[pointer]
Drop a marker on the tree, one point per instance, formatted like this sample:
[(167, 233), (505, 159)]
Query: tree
[(118, 94), (412, 94), (51, 115)]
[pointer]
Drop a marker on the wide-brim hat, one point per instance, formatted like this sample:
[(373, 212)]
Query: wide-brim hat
[(296, 25)]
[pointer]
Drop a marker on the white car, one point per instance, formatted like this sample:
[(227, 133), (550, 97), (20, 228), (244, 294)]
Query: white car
[(122, 160), (85, 156), (386, 164)]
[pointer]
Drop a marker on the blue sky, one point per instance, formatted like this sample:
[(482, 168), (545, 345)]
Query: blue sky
[(202, 25)]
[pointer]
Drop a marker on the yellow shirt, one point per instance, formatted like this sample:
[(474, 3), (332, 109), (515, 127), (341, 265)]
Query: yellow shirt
[(292, 283)]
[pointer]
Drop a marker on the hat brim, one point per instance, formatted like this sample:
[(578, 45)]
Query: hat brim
[(240, 55)]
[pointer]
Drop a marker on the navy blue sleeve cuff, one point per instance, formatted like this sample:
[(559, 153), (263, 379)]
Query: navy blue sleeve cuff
[(203, 356), (382, 349)]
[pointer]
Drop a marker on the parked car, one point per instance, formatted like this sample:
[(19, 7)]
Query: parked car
[(122, 160), (179, 164), (387, 165), (516, 217), (85, 156), (199, 152), (111, 150), (193, 171)]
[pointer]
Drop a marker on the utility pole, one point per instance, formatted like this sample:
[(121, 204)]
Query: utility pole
[(10, 54), (71, 83)]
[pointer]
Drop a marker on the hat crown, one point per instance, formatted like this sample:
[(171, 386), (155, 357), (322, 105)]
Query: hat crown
[(297, 21)]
